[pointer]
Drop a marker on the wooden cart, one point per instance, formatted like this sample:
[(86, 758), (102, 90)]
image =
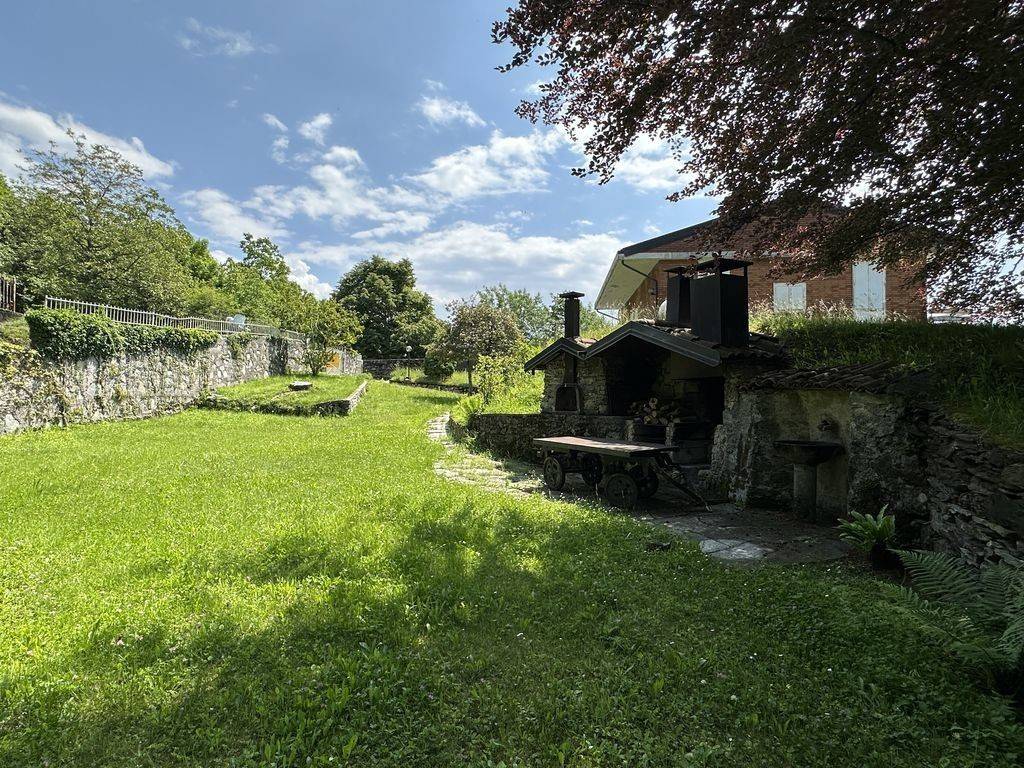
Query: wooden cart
[(625, 471)]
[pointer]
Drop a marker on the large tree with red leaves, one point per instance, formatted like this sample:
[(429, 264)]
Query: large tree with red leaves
[(900, 122)]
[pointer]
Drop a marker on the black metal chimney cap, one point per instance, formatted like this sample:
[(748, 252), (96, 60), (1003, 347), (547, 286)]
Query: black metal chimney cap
[(571, 295), (720, 265)]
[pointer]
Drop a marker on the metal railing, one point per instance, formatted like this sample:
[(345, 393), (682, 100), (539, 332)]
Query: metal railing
[(8, 294), (141, 317)]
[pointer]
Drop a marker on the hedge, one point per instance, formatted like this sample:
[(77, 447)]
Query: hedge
[(64, 334)]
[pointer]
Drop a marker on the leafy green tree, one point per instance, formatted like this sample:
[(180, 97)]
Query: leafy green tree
[(475, 330), (7, 213), (531, 314), (331, 327), (87, 226), (393, 314), (261, 289)]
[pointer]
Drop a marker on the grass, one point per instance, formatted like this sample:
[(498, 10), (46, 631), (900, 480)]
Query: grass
[(15, 331), (417, 375), (977, 370), (220, 588), (272, 395)]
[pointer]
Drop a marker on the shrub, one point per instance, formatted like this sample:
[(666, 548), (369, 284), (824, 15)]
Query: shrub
[(436, 367), (506, 386), (977, 614), (237, 343), (139, 339), (865, 532), (63, 334), (467, 407)]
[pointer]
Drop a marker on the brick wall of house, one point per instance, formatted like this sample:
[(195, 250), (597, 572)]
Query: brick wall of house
[(902, 297)]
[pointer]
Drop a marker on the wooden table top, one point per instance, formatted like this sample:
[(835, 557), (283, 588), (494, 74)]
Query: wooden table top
[(601, 445)]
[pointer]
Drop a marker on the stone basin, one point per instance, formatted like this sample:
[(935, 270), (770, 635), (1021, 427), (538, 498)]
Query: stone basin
[(806, 455), (808, 452)]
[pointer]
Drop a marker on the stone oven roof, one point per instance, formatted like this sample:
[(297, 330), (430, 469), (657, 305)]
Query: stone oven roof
[(681, 341), (877, 378)]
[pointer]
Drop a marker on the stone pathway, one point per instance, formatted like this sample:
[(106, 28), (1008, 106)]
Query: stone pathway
[(726, 532)]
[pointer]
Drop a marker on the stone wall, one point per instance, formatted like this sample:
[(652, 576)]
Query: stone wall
[(511, 434), (38, 393), (591, 377), (949, 489)]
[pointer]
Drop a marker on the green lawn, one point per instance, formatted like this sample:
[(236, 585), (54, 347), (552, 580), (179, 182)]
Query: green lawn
[(220, 588), (417, 374), (272, 393)]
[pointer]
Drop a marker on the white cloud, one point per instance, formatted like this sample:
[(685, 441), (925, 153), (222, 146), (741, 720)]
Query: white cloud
[(204, 40), (533, 89), (650, 166), (316, 129), (505, 164), (343, 156), (274, 122), (279, 149), (226, 218), (583, 223), (24, 128), (433, 85), (302, 275), (458, 259), (441, 111)]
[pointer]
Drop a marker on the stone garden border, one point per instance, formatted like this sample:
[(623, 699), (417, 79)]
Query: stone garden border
[(341, 407)]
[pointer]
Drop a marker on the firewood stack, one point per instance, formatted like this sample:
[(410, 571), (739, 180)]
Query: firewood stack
[(655, 411)]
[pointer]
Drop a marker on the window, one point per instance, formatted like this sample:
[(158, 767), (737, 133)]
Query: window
[(868, 291), (789, 297)]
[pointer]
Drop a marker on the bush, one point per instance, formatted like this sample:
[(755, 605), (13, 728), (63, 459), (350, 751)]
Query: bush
[(467, 407), (505, 385), (237, 343), (63, 334), (977, 614), (436, 367)]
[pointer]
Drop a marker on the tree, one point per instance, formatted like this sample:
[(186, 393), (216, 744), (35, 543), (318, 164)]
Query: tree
[(330, 328), (86, 226), (393, 314), (261, 288), (843, 131), (475, 330), (533, 317)]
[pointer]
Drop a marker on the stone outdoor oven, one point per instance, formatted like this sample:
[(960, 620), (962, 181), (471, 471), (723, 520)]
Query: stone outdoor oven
[(664, 379)]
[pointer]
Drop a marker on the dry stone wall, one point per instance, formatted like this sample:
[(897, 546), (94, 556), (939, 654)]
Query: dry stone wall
[(37, 393), (949, 488), (511, 434)]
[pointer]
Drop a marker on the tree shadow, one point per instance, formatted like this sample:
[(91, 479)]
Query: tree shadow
[(482, 632)]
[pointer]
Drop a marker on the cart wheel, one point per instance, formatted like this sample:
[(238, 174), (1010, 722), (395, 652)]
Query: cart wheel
[(554, 473), (592, 471), (621, 490), (648, 486)]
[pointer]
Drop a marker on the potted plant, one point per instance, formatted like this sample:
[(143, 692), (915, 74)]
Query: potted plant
[(871, 534)]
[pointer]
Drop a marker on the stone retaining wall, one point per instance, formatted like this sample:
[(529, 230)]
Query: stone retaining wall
[(38, 393), (948, 487), (511, 434)]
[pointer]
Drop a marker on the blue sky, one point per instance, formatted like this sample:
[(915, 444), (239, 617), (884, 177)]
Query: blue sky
[(340, 129)]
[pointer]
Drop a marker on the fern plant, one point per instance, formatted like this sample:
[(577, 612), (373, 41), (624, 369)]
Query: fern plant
[(868, 532), (978, 614)]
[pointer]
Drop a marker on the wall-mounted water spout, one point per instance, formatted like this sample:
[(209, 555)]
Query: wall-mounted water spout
[(806, 455)]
